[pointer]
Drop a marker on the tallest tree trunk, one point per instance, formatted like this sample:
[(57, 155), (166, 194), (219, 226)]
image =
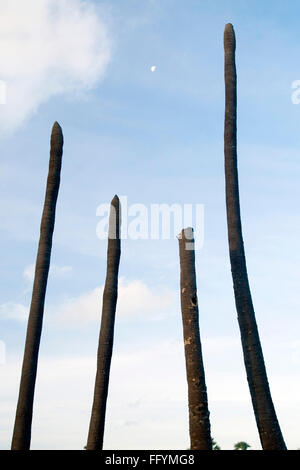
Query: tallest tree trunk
[(267, 423), (22, 428)]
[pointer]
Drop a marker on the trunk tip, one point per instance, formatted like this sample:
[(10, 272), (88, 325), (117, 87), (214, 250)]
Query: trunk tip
[(229, 27), (56, 128), (229, 36), (187, 233), (115, 200), (57, 135)]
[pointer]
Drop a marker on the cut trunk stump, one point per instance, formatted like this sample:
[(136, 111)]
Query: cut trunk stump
[(199, 424)]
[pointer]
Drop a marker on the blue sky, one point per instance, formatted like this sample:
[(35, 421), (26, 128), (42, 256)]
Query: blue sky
[(155, 137)]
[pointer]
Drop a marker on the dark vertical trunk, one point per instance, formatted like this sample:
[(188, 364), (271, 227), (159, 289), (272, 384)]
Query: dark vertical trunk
[(199, 423), (268, 426), (105, 347), (22, 428)]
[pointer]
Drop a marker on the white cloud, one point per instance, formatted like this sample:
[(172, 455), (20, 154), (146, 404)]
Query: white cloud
[(55, 271), (14, 311), (59, 270), (18, 311), (49, 47), (82, 309), (135, 299), (28, 273)]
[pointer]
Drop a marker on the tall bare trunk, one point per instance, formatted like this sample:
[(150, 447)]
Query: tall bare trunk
[(23, 420), (199, 423), (268, 426), (105, 347)]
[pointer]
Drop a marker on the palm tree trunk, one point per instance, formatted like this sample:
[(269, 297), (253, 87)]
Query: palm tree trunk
[(199, 423), (105, 347), (23, 420), (267, 423)]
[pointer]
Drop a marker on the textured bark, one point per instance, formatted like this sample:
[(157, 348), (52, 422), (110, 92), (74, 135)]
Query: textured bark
[(267, 423), (105, 347), (199, 423), (23, 420)]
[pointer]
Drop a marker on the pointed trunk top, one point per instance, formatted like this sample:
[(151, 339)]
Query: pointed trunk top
[(57, 138)]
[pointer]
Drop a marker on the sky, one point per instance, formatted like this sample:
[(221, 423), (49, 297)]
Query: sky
[(138, 90)]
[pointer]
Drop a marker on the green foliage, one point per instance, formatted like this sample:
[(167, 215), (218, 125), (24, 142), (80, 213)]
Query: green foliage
[(241, 446), (215, 445)]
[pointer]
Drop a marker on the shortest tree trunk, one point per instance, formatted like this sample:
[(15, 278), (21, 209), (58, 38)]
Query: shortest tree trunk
[(110, 294), (198, 408)]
